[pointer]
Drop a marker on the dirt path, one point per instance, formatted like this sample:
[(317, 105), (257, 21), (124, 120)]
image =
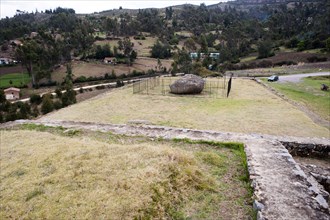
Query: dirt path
[(297, 77), (281, 189)]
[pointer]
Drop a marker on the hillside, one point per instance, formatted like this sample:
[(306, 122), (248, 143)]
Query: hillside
[(257, 31)]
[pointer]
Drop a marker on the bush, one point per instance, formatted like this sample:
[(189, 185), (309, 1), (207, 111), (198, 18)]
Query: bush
[(80, 79), (285, 62), (68, 98), (314, 59), (25, 110), (119, 83), (57, 105), (47, 84), (47, 104), (100, 87), (58, 92), (265, 64), (35, 99), (35, 111), (12, 113)]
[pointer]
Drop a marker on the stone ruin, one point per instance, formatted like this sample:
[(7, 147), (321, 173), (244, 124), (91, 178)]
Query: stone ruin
[(188, 84)]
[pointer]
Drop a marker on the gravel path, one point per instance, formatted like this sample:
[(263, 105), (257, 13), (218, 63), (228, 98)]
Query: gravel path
[(281, 189), (297, 77)]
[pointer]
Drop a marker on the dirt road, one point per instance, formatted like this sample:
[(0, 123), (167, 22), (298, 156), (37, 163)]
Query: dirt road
[(297, 77)]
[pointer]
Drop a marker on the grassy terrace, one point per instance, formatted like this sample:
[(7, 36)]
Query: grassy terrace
[(83, 175), (16, 79), (308, 93), (250, 108)]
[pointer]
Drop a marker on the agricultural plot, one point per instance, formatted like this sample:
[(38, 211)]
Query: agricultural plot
[(97, 69), (82, 174), (250, 108), (14, 79)]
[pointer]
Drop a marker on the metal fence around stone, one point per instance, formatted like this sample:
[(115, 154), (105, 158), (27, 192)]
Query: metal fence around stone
[(213, 87)]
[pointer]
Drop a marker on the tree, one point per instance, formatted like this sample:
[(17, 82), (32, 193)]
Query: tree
[(190, 45), (28, 55), (2, 96), (182, 62), (127, 47), (69, 97), (327, 45), (265, 49), (204, 44), (160, 50)]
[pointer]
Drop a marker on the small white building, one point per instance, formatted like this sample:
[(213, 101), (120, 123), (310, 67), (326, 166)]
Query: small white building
[(12, 93)]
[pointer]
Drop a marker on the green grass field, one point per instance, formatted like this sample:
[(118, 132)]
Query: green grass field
[(308, 93), (94, 175), (14, 79)]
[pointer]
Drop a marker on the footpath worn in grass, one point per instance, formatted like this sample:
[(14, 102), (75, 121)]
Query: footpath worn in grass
[(250, 108), (69, 174), (16, 79), (308, 92)]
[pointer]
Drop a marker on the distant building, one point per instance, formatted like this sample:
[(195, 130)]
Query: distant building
[(193, 55), (214, 55), (196, 55), (16, 43), (12, 93), (110, 60), (4, 61)]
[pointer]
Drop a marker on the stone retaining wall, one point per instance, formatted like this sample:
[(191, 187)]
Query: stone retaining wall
[(308, 150)]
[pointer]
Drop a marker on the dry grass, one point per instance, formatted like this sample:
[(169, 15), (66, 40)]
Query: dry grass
[(249, 109), (99, 69), (100, 176)]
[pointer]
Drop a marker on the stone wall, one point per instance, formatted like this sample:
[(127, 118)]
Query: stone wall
[(307, 150)]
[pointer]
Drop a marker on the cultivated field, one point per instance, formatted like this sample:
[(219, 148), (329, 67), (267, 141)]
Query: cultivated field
[(250, 108), (14, 79), (99, 68), (70, 174)]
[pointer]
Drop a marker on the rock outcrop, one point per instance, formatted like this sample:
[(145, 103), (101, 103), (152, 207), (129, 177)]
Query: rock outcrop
[(188, 84)]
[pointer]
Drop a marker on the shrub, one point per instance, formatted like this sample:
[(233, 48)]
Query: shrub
[(47, 104), (35, 111), (265, 64), (49, 83), (25, 110), (68, 98), (57, 105), (35, 99), (12, 113), (119, 83), (58, 92), (314, 59), (80, 79), (285, 62), (100, 87)]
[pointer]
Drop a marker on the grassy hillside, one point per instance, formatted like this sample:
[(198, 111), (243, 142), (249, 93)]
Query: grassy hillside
[(250, 108), (83, 175), (308, 93)]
